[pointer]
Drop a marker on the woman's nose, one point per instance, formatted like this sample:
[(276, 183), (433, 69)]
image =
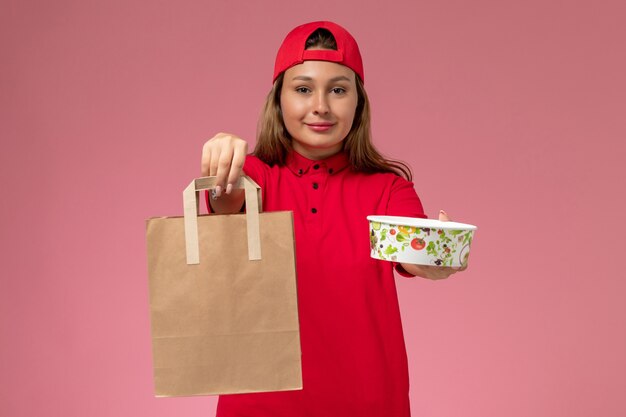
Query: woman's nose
[(320, 104)]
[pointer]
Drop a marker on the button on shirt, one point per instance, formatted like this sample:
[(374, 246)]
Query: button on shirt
[(353, 355)]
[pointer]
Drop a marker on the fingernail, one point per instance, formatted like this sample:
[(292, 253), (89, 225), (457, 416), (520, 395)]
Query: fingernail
[(443, 212), (218, 191), (229, 188)]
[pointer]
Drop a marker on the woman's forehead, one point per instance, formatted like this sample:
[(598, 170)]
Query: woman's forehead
[(319, 71)]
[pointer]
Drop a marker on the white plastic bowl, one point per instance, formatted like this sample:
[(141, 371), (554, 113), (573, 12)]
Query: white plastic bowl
[(420, 241)]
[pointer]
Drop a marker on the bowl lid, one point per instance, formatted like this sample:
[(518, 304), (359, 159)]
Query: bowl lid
[(418, 222)]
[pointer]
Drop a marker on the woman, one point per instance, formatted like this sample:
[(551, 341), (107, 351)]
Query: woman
[(314, 156)]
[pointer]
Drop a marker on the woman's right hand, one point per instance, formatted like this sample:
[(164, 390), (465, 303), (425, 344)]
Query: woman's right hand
[(223, 156)]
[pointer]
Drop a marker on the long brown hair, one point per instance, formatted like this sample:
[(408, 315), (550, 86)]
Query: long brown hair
[(274, 142)]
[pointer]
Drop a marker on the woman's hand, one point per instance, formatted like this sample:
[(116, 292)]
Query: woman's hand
[(223, 156), (433, 272)]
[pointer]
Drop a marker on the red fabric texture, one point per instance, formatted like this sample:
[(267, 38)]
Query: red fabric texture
[(354, 359)]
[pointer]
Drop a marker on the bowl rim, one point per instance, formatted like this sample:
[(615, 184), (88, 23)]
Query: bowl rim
[(419, 222)]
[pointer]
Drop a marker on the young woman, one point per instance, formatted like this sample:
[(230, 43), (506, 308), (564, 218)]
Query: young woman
[(314, 156)]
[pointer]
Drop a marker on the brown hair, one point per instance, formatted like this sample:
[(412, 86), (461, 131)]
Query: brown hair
[(274, 141)]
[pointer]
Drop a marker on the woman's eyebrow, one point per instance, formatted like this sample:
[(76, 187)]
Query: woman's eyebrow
[(334, 79), (340, 78)]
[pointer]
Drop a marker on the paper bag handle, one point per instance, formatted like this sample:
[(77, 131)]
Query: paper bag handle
[(253, 208)]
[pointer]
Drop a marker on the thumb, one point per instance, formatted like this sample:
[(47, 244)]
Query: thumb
[(443, 216)]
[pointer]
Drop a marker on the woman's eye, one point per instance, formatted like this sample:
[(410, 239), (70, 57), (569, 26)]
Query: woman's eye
[(338, 90), (302, 89)]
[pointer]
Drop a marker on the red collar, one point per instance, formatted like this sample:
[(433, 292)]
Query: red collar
[(300, 165)]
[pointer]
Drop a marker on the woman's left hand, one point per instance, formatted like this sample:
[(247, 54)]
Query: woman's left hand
[(433, 272)]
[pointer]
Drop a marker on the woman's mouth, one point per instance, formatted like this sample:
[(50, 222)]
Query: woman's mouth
[(320, 127)]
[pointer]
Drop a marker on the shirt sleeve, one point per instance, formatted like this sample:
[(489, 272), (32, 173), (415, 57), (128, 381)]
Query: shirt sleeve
[(256, 169), (403, 201)]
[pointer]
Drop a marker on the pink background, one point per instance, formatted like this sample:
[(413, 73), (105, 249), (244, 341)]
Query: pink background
[(510, 112)]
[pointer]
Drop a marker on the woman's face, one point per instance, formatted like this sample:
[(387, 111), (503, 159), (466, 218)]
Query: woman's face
[(318, 101)]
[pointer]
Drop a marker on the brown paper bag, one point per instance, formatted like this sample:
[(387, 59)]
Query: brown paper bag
[(223, 299)]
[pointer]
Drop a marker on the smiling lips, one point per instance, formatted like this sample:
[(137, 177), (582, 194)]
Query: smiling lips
[(320, 127)]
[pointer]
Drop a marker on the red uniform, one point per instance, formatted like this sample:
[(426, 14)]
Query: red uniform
[(354, 360)]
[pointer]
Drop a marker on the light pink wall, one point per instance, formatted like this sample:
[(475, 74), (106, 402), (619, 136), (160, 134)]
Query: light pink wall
[(510, 112)]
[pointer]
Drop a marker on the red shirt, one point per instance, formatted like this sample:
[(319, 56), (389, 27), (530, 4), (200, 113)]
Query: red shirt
[(354, 360)]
